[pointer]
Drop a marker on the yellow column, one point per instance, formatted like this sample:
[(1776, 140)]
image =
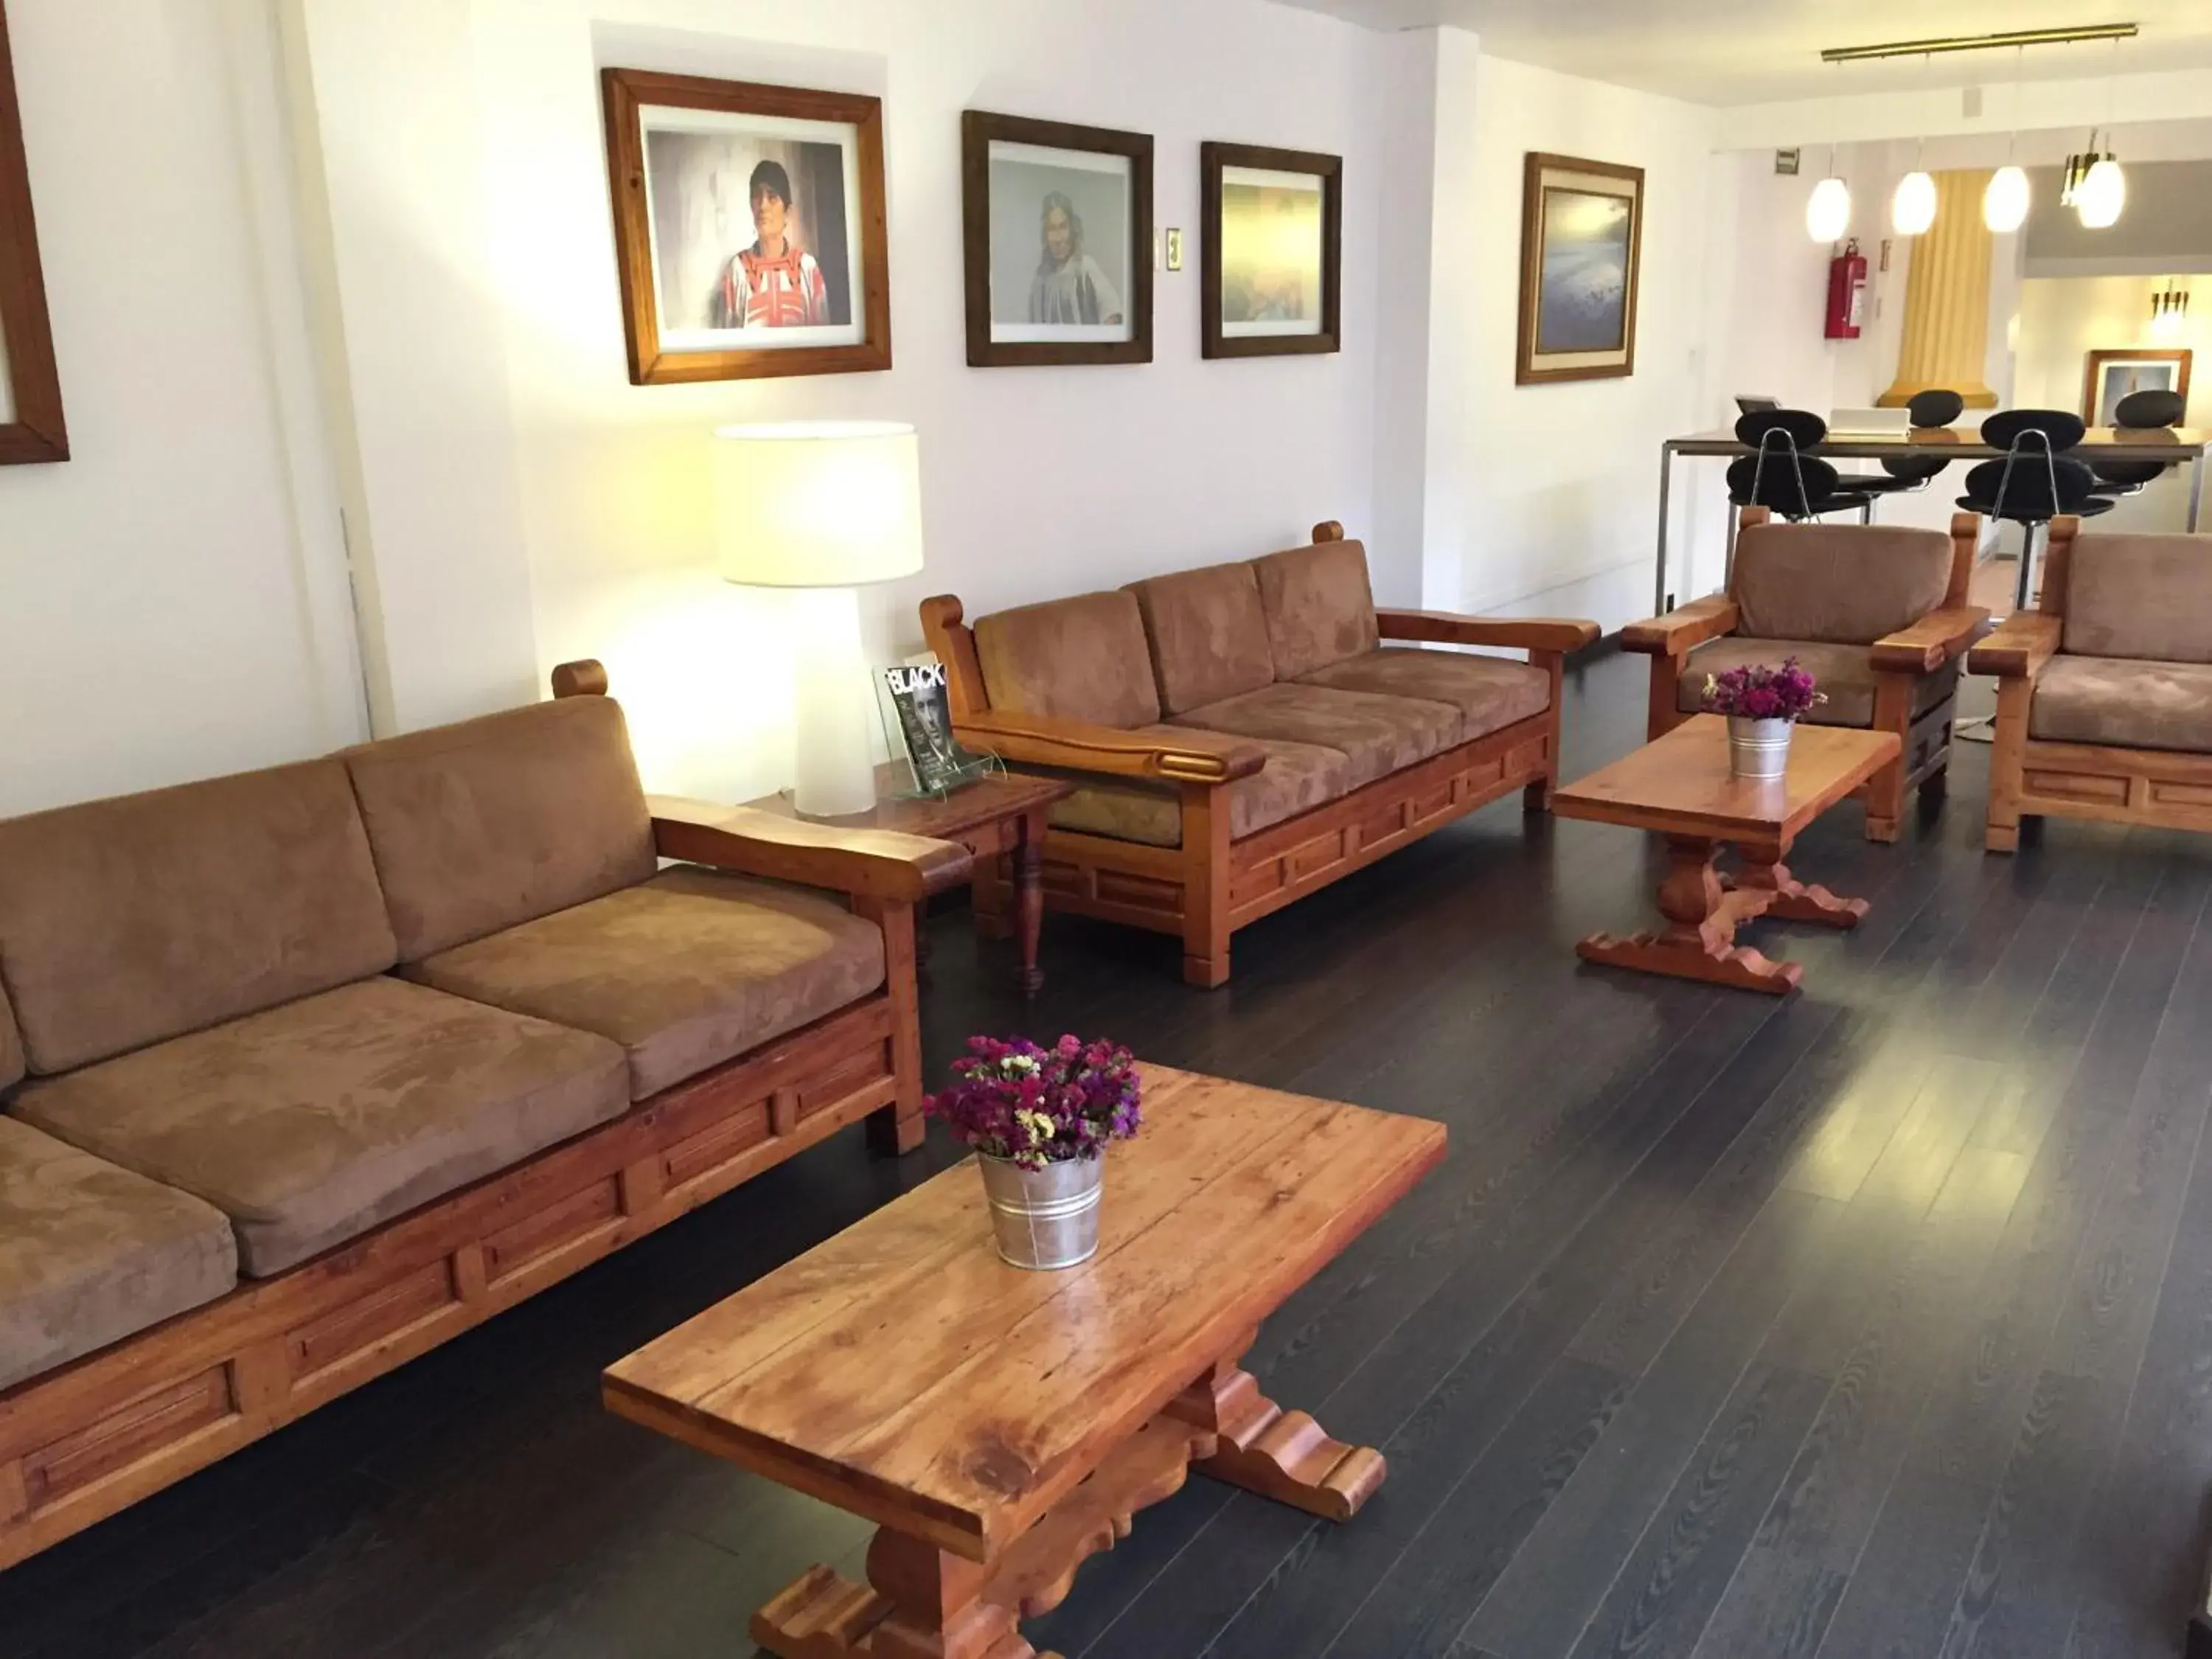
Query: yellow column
[(1946, 301)]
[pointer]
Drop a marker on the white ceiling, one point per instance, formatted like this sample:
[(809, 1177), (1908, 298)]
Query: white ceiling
[(1756, 51)]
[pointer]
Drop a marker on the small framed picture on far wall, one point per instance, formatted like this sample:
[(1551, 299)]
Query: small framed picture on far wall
[(2113, 377), (1272, 252), (1057, 236)]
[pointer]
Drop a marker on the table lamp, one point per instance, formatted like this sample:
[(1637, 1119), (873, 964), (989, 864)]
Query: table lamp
[(823, 507)]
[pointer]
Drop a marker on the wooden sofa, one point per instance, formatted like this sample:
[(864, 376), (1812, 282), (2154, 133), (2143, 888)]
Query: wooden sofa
[(1878, 614), (303, 1072), (2105, 690), (1247, 732)]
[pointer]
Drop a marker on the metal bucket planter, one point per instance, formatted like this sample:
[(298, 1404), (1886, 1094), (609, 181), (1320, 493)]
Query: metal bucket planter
[(1759, 750), (1044, 1219)]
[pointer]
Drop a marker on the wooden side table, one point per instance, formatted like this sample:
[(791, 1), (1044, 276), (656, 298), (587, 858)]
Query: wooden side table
[(1004, 814)]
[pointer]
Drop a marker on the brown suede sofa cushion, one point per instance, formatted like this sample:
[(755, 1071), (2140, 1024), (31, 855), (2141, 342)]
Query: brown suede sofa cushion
[(496, 821), (1837, 584), (2123, 702), (690, 970), (1490, 693), (90, 1253), (1207, 634), (1318, 607), (1084, 659), (1376, 735), (126, 922), (1298, 777), (1842, 673), (2144, 597), (11, 1043), (310, 1123)]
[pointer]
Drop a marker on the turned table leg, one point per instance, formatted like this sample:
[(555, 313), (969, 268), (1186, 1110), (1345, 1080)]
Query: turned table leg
[(1703, 913), (920, 1602), (1029, 898)]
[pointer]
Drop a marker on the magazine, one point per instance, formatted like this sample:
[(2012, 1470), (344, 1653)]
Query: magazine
[(917, 692)]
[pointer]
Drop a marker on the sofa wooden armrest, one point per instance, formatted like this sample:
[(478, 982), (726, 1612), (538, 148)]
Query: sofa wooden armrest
[(2018, 647), (1684, 628), (878, 864), (1930, 644), (1041, 740), (1507, 633)]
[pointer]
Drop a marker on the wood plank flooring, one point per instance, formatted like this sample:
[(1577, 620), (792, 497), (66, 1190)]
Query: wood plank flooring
[(1873, 1322)]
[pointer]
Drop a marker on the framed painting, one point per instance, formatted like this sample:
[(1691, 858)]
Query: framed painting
[(748, 228), (1274, 251), (1582, 249), (1057, 232), (2113, 375), (31, 425)]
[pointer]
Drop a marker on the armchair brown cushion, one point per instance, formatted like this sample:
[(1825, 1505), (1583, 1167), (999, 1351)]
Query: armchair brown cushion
[(90, 1253), (1842, 673), (2124, 702), (496, 821), (126, 921), (2148, 598), (1298, 777), (1320, 609), (11, 1043), (691, 968), (1837, 584), (1376, 735), (1490, 692), (1207, 634), (1084, 659), (309, 1124)]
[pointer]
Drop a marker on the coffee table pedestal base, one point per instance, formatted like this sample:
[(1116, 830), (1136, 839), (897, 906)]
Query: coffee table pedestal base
[(1703, 908), (922, 1602)]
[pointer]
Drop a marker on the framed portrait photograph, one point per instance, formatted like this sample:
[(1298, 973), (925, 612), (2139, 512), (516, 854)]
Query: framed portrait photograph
[(1274, 251), (2113, 375), (31, 425), (748, 228), (1057, 223), (1581, 246)]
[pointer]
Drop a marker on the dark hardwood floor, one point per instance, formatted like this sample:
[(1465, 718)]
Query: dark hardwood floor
[(1877, 1320)]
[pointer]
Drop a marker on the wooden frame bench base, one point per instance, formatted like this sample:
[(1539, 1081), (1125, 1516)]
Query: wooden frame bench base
[(922, 1600), (2166, 788), (81, 1442), (1171, 889)]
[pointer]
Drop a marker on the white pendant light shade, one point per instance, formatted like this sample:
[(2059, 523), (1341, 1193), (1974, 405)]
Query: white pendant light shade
[(2102, 196), (2005, 202), (1912, 210), (1828, 213)]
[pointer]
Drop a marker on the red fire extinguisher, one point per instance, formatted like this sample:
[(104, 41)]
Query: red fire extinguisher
[(1847, 284)]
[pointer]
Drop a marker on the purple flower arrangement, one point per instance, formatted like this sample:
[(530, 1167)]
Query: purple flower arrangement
[(1758, 692), (1035, 1107)]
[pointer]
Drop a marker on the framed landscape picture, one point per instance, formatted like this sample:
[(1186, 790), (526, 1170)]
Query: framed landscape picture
[(1057, 235), (30, 426), (2113, 375), (748, 228), (1582, 245), (1274, 251)]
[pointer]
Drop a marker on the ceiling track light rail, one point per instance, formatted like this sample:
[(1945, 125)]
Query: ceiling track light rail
[(2066, 37)]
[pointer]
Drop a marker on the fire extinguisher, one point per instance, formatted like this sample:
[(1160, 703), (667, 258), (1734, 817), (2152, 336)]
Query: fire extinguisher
[(1847, 285)]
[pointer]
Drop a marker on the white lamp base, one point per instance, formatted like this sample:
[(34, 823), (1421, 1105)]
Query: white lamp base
[(835, 774)]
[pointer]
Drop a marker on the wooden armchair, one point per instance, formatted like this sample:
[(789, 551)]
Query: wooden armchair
[(2104, 690), (1878, 614)]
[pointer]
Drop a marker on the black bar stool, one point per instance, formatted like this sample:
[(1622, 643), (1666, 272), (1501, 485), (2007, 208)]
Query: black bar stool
[(2032, 482), (2139, 411)]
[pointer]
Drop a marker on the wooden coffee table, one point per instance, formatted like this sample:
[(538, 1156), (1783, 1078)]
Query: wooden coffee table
[(1679, 785), (1002, 815), (1002, 1427)]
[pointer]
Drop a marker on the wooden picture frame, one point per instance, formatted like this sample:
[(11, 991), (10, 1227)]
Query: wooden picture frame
[(1221, 336), (988, 346), (2092, 376), (1541, 360), (851, 335), (34, 430)]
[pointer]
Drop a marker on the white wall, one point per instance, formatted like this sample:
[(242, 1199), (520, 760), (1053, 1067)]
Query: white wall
[(172, 598)]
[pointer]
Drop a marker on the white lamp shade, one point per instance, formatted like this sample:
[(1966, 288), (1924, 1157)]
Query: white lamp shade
[(1828, 212), (827, 504), (1912, 210), (2102, 196), (2005, 202)]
